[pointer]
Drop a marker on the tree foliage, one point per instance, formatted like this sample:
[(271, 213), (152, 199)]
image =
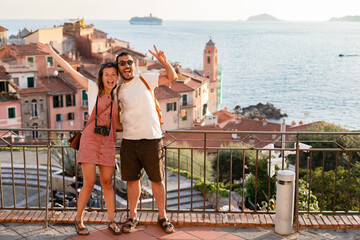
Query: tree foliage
[(236, 158), (262, 183), (347, 193), (333, 141)]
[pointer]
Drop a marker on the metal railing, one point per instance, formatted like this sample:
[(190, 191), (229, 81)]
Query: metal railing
[(243, 171)]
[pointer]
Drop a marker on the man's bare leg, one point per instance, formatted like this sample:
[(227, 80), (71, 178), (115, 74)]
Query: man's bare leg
[(133, 192), (158, 189)]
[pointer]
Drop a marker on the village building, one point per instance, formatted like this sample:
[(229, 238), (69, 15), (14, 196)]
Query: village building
[(221, 117), (27, 56), (52, 36), (20, 37), (210, 71), (3, 36), (34, 111), (169, 103), (10, 108)]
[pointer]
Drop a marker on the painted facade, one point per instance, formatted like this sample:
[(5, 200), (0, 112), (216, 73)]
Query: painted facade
[(3, 36), (53, 36), (210, 71)]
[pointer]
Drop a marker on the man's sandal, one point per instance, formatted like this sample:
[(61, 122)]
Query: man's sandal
[(130, 225), (113, 229), (168, 228), (80, 230)]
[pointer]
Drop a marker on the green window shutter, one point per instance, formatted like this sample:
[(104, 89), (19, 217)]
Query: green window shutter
[(50, 61), (168, 107), (73, 103), (184, 100), (174, 106), (84, 95), (11, 112), (55, 101), (61, 101), (30, 81), (68, 100)]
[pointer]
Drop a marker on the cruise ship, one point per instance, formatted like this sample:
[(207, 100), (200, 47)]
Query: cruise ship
[(146, 20)]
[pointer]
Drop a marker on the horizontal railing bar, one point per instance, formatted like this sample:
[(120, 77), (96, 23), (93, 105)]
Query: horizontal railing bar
[(264, 132)]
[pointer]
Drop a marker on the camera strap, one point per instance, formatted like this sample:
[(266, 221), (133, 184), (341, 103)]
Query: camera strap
[(96, 109)]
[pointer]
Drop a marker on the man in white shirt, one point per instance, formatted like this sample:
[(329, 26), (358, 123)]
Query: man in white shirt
[(142, 146)]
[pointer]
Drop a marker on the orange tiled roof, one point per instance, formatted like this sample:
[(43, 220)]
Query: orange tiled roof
[(56, 86), (66, 77), (91, 71), (2, 28), (163, 92), (261, 140), (224, 115), (179, 86), (24, 49), (117, 50), (245, 124), (155, 65), (197, 139), (194, 81), (195, 77), (33, 90)]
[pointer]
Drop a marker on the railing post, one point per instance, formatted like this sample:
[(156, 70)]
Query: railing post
[(297, 184), (47, 186)]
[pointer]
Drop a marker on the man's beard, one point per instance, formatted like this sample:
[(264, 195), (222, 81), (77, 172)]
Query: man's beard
[(126, 78)]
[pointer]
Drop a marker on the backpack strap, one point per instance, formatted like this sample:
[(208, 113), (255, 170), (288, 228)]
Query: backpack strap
[(157, 105), (117, 101)]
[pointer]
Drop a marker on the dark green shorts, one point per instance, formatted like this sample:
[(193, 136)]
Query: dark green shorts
[(138, 154)]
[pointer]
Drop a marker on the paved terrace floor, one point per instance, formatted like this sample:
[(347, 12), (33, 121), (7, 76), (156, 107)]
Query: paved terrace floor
[(30, 225)]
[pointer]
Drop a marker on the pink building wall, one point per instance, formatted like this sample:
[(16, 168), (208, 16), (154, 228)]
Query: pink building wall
[(5, 122), (78, 110)]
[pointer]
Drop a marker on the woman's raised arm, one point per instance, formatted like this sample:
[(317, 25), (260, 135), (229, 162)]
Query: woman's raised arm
[(83, 81)]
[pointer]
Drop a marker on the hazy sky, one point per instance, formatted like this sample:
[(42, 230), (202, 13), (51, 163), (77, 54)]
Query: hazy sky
[(291, 10)]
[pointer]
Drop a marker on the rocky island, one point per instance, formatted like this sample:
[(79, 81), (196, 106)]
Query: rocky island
[(260, 112), (263, 18), (346, 19)]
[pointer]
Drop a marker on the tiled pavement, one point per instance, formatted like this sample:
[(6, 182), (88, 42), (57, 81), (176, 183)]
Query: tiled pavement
[(30, 225)]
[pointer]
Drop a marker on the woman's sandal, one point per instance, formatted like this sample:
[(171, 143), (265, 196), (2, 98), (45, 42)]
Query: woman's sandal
[(167, 226), (127, 227), (113, 229), (80, 230)]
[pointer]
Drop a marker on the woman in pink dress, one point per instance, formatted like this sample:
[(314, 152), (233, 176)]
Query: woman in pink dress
[(97, 145)]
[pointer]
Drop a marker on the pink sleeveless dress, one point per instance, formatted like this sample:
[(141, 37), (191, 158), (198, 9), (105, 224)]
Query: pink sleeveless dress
[(96, 148)]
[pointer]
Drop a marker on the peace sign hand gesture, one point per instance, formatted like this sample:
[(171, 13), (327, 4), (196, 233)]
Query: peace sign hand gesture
[(159, 55)]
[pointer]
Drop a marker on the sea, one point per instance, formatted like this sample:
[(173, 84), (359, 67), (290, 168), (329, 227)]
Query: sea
[(310, 70)]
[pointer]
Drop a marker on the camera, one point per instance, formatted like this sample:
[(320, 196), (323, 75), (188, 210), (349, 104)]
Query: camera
[(103, 130)]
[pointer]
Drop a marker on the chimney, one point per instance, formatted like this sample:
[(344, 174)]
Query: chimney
[(293, 123), (237, 120), (226, 109), (301, 122), (265, 122)]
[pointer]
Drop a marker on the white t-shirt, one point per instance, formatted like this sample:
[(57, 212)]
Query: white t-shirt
[(92, 93), (138, 113)]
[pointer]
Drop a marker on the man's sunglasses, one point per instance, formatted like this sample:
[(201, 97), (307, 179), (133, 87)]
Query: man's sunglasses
[(123, 63)]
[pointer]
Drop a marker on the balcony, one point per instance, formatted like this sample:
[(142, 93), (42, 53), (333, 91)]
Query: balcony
[(211, 180)]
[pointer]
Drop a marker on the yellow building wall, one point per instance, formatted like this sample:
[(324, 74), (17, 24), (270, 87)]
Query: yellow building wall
[(47, 35)]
